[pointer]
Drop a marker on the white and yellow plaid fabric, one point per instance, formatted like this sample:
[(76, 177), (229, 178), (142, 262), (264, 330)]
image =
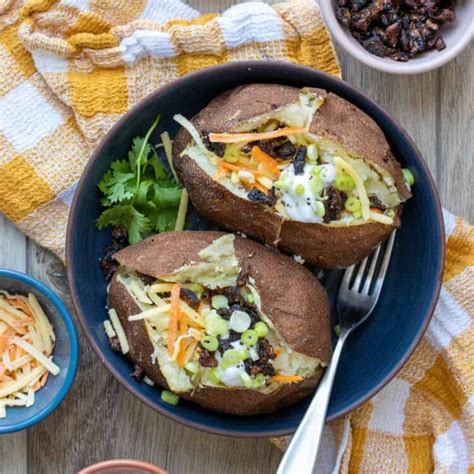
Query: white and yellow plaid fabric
[(69, 69)]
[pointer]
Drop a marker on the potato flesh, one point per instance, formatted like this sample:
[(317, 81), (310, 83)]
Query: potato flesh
[(222, 254)]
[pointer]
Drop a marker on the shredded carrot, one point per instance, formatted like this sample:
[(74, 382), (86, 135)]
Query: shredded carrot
[(220, 173), (266, 160), (277, 351), (19, 303), (183, 326), (174, 316), (233, 167), (260, 187), (287, 378), (250, 137), (374, 209), (182, 351)]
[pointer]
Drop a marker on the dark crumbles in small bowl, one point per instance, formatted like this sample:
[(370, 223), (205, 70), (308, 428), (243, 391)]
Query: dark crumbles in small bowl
[(397, 29)]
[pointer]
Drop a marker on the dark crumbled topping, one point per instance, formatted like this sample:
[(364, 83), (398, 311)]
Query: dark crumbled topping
[(279, 148), (217, 148), (398, 29), (298, 161), (207, 359), (190, 297), (107, 263), (225, 344), (115, 344), (263, 364), (138, 372), (146, 279), (255, 195), (377, 203), (333, 204), (265, 349)]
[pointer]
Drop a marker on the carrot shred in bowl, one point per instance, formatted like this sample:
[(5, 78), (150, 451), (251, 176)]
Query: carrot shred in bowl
[(26, 346)]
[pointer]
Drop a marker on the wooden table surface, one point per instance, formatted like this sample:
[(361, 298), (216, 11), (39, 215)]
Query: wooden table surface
[(100, 420)]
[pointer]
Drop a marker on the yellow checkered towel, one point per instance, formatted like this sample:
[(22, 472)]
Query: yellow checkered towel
[(70, 68)]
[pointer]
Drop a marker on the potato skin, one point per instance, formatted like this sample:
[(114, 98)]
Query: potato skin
[(337, 119), (300, 311)]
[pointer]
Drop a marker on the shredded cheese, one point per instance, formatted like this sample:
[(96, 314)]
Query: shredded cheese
[(36, 354), (109, 330), (149, 313), (26, 346), (382, 218), (364, 200), (177, 346), (119, 330), (191, 129), (148, 381)]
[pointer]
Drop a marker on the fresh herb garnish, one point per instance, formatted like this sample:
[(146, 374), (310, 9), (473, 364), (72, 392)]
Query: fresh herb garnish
[(139, 193)]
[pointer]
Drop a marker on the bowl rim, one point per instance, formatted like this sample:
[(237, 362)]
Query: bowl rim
[(341, 35), (236, 67), (74, 348), (130, 463)]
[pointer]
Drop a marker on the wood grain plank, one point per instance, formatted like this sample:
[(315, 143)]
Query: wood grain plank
[(455, 137), (13, 458), (412, 100)]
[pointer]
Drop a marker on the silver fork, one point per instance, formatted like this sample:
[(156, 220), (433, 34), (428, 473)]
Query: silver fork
[(356, 300)]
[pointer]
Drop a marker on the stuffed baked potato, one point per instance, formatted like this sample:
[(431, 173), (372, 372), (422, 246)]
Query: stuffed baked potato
[(212, 317), (302, 170)]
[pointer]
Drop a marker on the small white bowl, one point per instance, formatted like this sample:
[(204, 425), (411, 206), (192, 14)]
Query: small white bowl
[(456, 36)]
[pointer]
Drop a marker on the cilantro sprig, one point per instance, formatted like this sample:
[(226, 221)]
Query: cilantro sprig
[(139, 193)]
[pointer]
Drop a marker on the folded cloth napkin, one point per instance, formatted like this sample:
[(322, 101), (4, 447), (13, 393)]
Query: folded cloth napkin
[(69, 69)]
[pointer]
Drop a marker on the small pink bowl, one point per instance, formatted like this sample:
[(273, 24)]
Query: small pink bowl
[(456, 35), (122, 466)]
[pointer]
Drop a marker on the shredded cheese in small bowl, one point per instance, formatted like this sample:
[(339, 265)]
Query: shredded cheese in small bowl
[(26, 347)]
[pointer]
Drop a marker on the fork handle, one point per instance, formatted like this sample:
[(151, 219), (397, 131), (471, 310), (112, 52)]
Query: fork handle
[(300, 456)]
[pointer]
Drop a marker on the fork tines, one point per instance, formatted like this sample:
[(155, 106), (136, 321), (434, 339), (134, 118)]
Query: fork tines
[(360, 279)]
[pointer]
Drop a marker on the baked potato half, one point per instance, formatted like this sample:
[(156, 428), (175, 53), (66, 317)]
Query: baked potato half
[(212, 318), (302, 170)]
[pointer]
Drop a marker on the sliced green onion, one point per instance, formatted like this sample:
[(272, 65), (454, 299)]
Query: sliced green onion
[(169, 397), (312, 153), (219, 301), (232, 153), (352, 204), (210, 343), (239, 321), (317, 185), (319, 209), (408, 177), (316, 170), (261, 329), (195, 287), (216, 326), (259, 380), (213, 375), (249, 337), (299, 189), (345, 183), (192, 367), (246, 380), (357, 214), (247, 295), (234, 356)]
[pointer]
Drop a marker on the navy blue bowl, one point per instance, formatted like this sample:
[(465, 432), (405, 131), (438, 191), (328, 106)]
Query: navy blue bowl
[(373, 355), (65, 353)]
